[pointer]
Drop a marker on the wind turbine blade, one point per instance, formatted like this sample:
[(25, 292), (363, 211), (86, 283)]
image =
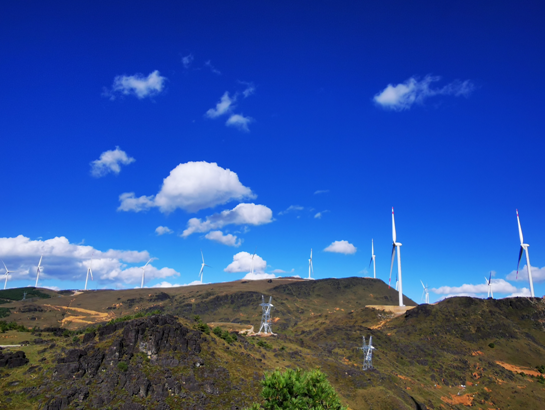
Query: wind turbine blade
[(202, 256), (310, 253), (423, 285), (372, 248), (40, 263), (490, 278), (202, 268), (520, 229), (518, 264), (391, 265), (370, 262), (5, 267), (91, 272), (394, 236), (423, 293)]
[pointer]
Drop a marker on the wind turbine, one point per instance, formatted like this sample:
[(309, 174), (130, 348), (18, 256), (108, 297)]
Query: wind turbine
[(396, 245), (310, 267), (426, 292), (38, 271), (7, 274), (373, 260), (252, 270), (524, 247), (489, 284), (203, 265), (89, 271), (144, 272)]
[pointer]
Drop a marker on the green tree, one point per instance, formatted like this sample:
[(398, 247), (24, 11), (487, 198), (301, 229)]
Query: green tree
[(298, 390)]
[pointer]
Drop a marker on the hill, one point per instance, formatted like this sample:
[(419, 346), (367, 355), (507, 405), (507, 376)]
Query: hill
[(456, 353)]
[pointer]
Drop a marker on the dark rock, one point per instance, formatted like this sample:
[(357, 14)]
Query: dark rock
[(11, 360)]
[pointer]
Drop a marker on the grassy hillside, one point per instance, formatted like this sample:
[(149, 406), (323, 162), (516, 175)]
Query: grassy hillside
[(454, 354)]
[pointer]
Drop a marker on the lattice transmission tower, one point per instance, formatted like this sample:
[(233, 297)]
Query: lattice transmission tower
[(266, 317), (367, 350)]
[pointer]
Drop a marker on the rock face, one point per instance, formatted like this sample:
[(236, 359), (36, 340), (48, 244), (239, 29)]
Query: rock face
[(11, 360), (148, 362)]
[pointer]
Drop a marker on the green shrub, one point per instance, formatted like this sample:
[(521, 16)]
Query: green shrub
[(264, 344), (297, 390), (123, 366), (5, 326), (541, 369), (201, 326), (75, 339), (4, 312), (217, 331), (540, 379), (66, 333), (491, 345)]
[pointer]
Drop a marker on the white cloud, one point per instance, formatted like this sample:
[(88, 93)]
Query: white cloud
[(402, 96), (242, 214), (239, 121), (320, 214), (242, 262), (137, 85), (321, 191), (258, 276), (249, 90), (212, 68), (130, 203), (165, 284), (282, 271), (538, 274), (191, 186), (224, 106), (291, 208), (66, 261), (498, 286), (524, 292), (229, 240), (110, 161), (161, 230), (187, 60), (341, 247)]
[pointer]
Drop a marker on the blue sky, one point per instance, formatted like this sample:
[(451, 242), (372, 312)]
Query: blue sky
[(118, 119)]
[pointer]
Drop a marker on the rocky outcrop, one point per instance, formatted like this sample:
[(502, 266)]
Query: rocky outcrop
[(147, 362), (12, 359)]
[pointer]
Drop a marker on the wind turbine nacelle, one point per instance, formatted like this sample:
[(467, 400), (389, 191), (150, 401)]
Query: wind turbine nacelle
[(525, 245), (397, 243)]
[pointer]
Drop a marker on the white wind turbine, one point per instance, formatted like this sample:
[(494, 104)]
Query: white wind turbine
[(310, 267), (89, 271), (524, 247), (202, 267), (489, 284), (7, 274), (373, 260), (425, 293), (396, 245), (38, 271), (144, 272)]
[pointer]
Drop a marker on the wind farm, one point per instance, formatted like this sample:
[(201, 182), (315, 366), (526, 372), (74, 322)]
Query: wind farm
[(272, 137)]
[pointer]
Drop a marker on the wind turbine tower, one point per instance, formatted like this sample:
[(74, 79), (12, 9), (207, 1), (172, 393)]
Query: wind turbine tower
[(89, 271), (266, 316), (38, 270), (310, 267), (524, 247), (396, 245), (7, 274), (201, 273), (373, 260), (143, 273), (489, 284), (426, 293)]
